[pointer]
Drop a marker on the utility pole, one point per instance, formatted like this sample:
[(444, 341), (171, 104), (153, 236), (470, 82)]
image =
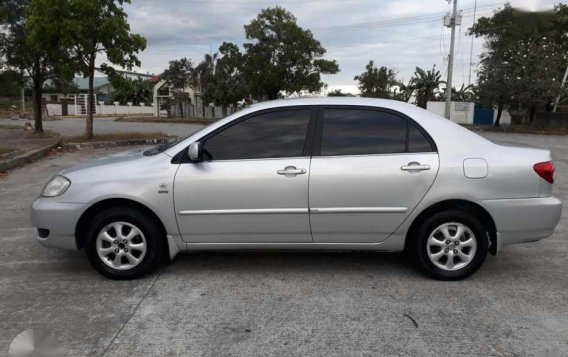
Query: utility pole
[(452, 24), (471, 46)]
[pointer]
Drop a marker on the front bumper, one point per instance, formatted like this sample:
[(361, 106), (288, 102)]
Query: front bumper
[(524, 219), (60, 219)]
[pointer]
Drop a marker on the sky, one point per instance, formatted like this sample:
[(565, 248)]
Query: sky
[(399, 34)]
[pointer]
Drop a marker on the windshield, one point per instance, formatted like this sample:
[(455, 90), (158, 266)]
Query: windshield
[(165, 146)]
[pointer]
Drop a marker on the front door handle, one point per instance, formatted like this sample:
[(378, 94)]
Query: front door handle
[(291, 171), (414, 166)]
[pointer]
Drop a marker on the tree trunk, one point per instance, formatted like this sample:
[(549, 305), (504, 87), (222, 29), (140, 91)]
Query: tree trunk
[(224, 111), (37, 103), (532, 110), (499, 112), (90, 98)]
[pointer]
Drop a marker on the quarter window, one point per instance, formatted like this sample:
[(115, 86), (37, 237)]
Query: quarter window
[(367, 132), (268, 135)]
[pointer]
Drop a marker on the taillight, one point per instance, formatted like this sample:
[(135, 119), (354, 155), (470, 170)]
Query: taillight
[(545, 170)]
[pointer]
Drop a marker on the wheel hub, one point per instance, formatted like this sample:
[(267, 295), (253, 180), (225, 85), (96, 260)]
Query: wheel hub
[(121, 245), (451, 246)]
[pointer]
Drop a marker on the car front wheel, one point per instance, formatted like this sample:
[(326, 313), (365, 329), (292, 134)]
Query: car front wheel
[(123, 243), (450, 245)]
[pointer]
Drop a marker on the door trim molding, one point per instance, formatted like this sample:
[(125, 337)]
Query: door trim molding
[(359, 210), (245, 211)]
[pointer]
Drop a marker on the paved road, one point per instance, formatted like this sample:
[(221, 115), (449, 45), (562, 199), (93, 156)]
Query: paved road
[(262, 304), (75, 127)]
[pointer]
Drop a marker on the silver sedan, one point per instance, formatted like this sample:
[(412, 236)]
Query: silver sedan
[(318, 173)]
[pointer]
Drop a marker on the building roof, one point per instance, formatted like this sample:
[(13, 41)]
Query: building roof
[(83, 83)]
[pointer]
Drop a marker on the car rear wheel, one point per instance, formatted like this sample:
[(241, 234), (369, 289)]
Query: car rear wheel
[(450, 245), (123, 243)]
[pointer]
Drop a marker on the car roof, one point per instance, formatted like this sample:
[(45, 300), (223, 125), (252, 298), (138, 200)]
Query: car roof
[(373, 102)]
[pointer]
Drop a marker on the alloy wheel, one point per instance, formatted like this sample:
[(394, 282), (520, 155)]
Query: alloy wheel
[(121, 245), (451, 246)]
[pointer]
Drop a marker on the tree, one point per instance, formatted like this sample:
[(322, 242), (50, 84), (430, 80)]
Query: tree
[(228, 85), (10, 83), (38, 57), (93, 27), (179, 76), (282, 56), (126, 90), (426, 84), (339, 93), (376, 82), (525, 56), (59, 85), (402, 92), (461, 94)]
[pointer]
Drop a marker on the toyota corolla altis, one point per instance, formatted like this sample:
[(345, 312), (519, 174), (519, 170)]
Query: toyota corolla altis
[(311, 174)]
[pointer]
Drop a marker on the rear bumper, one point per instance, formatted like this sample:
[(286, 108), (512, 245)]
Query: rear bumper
[(56, 222), (524, 219)]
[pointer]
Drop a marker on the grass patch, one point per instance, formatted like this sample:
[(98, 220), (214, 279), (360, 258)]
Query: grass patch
[(116, 137), (6, 150), (44, 135), (166, 120), (9, 126)]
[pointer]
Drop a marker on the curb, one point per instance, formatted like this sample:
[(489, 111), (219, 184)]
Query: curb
[(109, 144), (28, 157)]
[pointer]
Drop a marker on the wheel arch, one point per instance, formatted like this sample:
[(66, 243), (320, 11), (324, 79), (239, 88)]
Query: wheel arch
[(87, 216), (463, 205)]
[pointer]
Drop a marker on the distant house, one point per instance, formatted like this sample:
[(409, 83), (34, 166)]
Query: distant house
[(101, 86), (192, 107)]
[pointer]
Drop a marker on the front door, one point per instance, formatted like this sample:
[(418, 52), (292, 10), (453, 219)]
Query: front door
[(373, 169), (252, 186)]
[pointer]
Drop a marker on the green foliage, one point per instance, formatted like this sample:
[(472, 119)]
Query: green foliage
[(127, 90), (524, 59), (95, 27), (10, 83), (59, 85), (426, 85), (402, 92), (282, 56), (339, 93), (179, 75), (462, 94), (376, 82), (228, 85), (25, 48)]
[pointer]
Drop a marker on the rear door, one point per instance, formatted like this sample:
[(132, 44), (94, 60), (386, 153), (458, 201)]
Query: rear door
[(370, 169)]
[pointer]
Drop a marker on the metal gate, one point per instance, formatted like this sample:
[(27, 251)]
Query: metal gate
[(482, 116), (81, 104)]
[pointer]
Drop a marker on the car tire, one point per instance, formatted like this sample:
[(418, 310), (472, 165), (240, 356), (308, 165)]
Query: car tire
[(124, 243), (449, 245)]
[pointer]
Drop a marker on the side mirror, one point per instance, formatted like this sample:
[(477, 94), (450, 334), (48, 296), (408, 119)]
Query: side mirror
[(194, 151)]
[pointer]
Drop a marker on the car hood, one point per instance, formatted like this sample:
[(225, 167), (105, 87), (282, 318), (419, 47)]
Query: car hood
[(110, 160)]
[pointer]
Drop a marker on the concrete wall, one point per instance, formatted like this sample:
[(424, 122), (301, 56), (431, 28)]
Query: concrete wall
[(505, 117), (116, 109), (104, 109), (461, 112)]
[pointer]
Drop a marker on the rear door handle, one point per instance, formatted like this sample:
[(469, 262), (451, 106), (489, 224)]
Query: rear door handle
[(291, 171), (415, 166)]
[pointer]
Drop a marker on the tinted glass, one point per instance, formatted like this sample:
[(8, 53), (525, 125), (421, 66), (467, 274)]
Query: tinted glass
[(360, 132), (417, 142), (269, 135)]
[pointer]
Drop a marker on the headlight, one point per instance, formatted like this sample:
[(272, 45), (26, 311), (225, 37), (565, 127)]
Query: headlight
[(57, 186)]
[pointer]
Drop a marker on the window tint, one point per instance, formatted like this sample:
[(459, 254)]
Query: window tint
[(268, 135), (417, 142), (359, 132)]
